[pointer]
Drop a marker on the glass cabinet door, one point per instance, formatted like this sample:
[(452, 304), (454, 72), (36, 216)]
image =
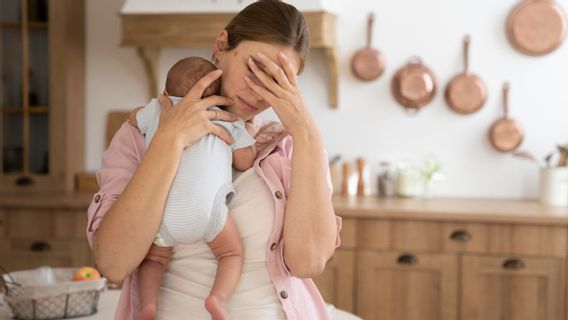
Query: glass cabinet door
[(24, 99)]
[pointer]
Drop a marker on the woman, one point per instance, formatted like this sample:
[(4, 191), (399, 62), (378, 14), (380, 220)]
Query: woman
[(282, 205)]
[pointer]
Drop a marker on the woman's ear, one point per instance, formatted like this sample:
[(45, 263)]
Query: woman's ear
[(221, 42)]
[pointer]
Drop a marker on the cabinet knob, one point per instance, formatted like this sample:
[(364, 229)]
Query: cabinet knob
[(514, 264), (461, 235), (40, 246), (407, 259)]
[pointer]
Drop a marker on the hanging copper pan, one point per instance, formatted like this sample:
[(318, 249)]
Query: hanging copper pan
[(536, 27), (505, 134), (368, 64), (414, 85), (466, 93)]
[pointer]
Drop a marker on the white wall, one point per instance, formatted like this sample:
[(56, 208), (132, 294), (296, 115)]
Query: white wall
[(368, 122)]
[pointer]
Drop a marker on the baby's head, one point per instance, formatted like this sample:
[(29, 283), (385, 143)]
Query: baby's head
[(185, 73)]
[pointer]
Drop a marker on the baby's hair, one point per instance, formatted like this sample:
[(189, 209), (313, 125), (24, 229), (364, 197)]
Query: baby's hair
[(184, 74)]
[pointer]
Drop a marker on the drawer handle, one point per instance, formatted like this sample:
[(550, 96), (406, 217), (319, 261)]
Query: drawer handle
[(514, 264), (24, 181), (40, 246), (409, 259), (461, 235)]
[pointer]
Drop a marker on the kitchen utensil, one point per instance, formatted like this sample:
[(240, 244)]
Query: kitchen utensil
[(385, 183), (368, 63), (361, 177), (526, 155), (563, 161), (345, 179), (414, 85), (466, 93), (505, 134), (536, 27), (554, 186)]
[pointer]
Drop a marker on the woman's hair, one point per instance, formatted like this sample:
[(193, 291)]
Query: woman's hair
[(270, 21)]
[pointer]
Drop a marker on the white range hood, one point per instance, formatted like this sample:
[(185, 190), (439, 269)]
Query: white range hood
[(214, 6)]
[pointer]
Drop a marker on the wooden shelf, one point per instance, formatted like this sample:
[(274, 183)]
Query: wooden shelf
[(31, 24), (150, 32)]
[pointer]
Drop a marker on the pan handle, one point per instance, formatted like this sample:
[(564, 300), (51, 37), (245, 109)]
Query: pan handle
[(370, 21), (466, 41), (506, 99)]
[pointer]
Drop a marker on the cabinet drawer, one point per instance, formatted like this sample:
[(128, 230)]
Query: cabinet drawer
[(52, 224), (27, 253), (505, 239), (416, 236)]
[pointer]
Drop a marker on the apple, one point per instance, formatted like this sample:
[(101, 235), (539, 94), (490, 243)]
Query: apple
[(86, 273)]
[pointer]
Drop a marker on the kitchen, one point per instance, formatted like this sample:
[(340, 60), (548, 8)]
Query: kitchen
[(486, 199)]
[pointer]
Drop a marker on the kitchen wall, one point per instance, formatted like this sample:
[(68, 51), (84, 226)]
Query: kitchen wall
[(369, 122)]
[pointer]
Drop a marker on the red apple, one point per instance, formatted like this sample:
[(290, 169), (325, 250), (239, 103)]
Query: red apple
[(86, 273)]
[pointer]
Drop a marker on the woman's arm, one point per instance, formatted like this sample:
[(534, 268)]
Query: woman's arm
[(310, 227), (130, 225)]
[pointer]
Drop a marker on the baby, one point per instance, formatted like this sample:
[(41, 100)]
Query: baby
[(196, 208)]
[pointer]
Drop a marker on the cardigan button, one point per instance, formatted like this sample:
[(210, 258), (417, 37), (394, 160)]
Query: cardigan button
[(278, 194), (97, 198), (273, 246), (284, 294)]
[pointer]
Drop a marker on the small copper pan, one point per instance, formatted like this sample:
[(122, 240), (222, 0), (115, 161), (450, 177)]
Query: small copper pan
[(536, 27), (506, 134), (414, 85), (368, 64), (466, 93)]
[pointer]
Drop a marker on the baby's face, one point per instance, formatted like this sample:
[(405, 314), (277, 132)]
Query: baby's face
[(235, 67)]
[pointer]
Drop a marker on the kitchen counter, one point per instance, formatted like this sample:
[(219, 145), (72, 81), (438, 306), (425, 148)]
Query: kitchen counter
[(451, 209)]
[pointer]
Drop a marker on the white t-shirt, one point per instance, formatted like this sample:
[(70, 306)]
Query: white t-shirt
[(191, 273)]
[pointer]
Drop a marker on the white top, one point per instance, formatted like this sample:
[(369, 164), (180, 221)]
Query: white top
[(190, 276)]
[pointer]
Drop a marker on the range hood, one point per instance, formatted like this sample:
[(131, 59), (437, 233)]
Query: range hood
[(150, 25)]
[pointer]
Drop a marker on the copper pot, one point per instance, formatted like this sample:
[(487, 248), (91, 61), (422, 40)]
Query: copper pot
[(368, 64), (414, 85), (506, 134), (536, 27), (466, 93)]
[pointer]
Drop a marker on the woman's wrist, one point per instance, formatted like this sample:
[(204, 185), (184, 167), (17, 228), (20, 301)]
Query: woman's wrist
[(168, 140)]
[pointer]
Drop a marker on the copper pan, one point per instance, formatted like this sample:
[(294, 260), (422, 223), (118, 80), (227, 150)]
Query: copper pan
[(414, 85), (506, 134), (466, 93), (368, 64), (536, 27)]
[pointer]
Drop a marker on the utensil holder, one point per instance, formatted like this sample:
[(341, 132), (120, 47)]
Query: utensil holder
[(554, 186)]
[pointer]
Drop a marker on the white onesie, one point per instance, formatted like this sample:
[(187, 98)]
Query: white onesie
[(196, 207)]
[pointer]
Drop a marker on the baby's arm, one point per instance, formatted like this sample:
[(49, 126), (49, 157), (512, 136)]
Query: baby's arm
[(244, 158)]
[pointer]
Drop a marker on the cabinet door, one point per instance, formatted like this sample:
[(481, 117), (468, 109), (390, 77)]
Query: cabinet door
[(336, 282), (406, 286), (507, 288)]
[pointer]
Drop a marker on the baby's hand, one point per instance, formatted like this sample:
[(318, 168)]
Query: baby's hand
[(132, 117), (251, 129)]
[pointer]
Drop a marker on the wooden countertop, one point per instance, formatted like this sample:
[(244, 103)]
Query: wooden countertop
[(70, 200), (451, 209)]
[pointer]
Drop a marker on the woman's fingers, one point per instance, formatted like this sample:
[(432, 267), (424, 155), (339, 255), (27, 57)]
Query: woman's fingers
[(289, 68), (221, 133), (261, 91), (165, 102), (197, 90), (221, 115), (266, 80), (275, 71), (214, 101)]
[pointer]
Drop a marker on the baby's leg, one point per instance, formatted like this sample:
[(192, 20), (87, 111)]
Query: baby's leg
[(149, 277), (228, 250)]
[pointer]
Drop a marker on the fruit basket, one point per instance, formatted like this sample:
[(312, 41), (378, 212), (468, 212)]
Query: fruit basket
[(54, 296)]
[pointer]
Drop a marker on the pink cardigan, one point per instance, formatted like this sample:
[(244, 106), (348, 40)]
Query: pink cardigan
[(299, 297)]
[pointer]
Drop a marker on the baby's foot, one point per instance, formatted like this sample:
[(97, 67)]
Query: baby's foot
[(148, 312), (217, 308)]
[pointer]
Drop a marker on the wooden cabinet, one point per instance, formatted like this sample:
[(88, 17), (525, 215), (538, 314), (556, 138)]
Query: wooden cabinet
[(450, 259), (42, 62), (44, 230), (512, 288)]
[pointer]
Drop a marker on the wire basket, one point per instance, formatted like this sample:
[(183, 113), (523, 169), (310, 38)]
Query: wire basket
[(63, 299)]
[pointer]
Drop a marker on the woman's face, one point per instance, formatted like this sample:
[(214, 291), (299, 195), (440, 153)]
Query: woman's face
[(246, 104)]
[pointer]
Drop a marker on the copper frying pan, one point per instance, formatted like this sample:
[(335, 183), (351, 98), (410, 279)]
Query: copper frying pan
[(368, 64), (414, 85), (536, 27), (466, 93), (505, 134)]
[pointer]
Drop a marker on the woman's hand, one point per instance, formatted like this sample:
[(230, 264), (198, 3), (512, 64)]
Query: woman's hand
[(190, 120), (280, 89)]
